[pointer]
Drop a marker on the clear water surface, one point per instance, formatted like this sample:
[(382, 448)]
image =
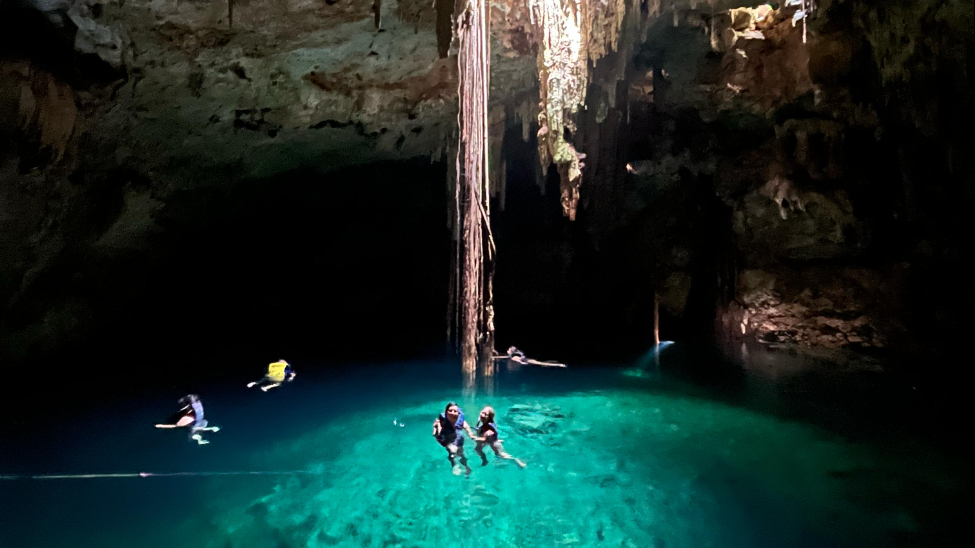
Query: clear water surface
[(617, 457)]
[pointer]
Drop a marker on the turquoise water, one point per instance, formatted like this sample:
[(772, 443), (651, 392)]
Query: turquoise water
[(614, 459)]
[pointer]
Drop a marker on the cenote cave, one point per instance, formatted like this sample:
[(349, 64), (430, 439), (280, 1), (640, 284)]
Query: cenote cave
[(508, 274)]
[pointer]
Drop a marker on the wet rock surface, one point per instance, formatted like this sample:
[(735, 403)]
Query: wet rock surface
[(798, 142)]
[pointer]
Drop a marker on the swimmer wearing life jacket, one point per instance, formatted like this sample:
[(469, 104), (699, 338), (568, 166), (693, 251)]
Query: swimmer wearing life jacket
[(277, 373), (488, 434), (449, 430), (190, 414)]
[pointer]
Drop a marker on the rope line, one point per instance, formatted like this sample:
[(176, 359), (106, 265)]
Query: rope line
[(151, 475)]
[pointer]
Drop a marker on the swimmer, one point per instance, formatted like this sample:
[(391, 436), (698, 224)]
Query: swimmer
[(277, 373), (516, 358), (449, 430), (190, 414), (516, 355), (487, 434)]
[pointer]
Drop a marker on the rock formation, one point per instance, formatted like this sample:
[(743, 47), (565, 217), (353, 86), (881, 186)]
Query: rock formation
[(801, 189)]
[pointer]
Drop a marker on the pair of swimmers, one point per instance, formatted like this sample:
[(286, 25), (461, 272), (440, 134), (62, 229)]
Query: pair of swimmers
[(190, 412), (449, 429)]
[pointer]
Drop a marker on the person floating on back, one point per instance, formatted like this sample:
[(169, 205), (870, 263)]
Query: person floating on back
[(487, 434), (190, 414), (517, 355), (277, 373), (449, 429), (516, 358)]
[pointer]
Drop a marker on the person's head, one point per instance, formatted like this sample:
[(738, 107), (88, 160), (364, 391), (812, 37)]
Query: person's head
[(284, 362), (487, 414), (188, 399), (452, 412), (512, 350)]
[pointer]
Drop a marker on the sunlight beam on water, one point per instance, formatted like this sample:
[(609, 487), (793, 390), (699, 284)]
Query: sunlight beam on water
[(649, 363)]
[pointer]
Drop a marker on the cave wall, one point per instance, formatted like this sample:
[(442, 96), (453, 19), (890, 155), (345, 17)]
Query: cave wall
[(808, 195), (836, 158), (800, 196), (122, 122)]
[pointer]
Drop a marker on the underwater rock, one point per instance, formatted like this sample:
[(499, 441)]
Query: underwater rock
[(534, 420)]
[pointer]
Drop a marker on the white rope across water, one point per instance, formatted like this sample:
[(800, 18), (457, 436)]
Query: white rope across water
[(152, 475)]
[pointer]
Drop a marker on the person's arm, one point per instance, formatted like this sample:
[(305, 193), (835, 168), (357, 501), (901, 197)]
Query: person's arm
[(436, 427), (469, 431), (487, 437), (546, 363), (183, 421)]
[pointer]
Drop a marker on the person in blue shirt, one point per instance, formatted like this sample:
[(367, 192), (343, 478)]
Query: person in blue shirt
[(487, 434), (449, 430), (190, 414)]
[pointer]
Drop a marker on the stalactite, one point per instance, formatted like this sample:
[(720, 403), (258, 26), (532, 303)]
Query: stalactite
[(56, 114), (494, 152), (526, 114), (562, 70), (601, 130), (573, 34), (46, 112)]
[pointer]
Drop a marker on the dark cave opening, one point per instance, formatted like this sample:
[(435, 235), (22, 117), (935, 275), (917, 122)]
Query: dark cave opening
[(348, 266), (345, 264), (579, 291), (354, 264)]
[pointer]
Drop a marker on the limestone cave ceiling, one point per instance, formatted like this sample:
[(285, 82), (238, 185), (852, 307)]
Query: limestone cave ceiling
[(288, 84), (284, 84)]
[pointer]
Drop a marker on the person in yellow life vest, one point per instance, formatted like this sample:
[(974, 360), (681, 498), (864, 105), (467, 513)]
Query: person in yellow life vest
[(277, 373)]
